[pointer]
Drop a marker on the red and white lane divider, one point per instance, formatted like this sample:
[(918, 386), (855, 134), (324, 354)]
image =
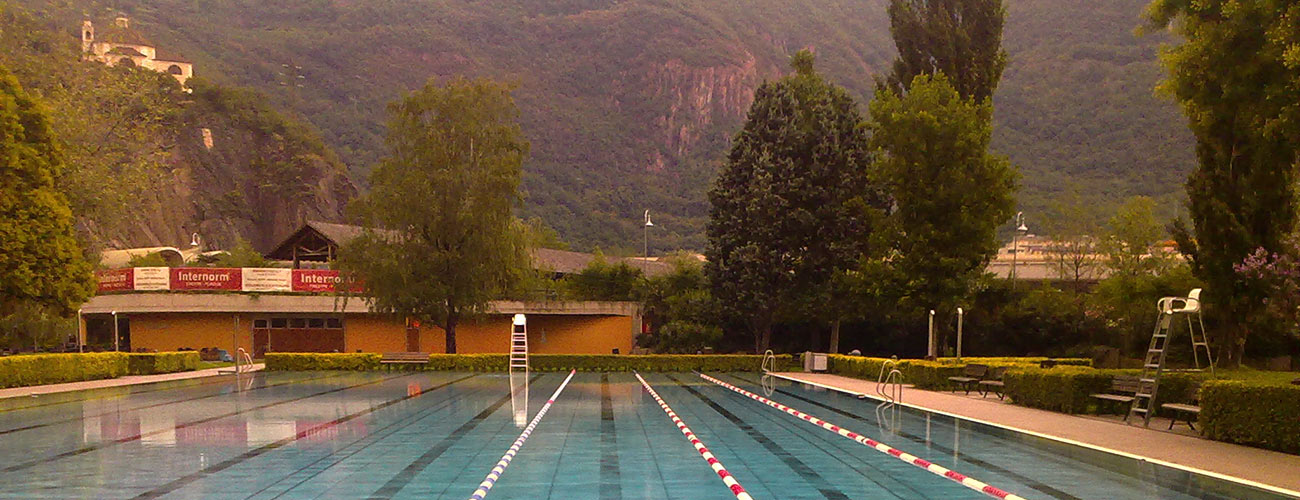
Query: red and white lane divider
[(727, 479), (500, 468), (878, 446)]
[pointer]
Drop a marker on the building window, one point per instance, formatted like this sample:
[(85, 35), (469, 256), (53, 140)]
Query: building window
[(260, 323), (333, 323), (316, 323), (298, 323), (175, 70), (279, 322)]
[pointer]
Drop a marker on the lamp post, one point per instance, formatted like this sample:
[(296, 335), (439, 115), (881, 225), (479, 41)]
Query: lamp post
[(1015, 248), (959, 316), (932, 352), (645, 230), (116, 347)]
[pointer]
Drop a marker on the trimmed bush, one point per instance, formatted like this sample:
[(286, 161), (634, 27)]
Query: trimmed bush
[(162, 362), (1266, 416), (538, 362), (1026, 361), (931, 375), (321, 361), (1065, 389), (39, 369)]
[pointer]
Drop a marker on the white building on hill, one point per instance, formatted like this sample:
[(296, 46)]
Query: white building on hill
[(119, 44)]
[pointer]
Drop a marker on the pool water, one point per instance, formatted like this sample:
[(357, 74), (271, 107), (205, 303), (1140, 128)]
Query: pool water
[(437, 434)]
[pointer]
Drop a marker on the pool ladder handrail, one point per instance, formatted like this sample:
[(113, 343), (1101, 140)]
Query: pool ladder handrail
[(769, 361), (242, 355), (889, 385)]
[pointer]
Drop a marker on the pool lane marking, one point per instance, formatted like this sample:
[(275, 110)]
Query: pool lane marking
[(1081, 444), (805, 472), (611, 487), (105, 444), (933, 468), (155, 405), (965, 457), (500, 468), (714, 463), (182, 481), (407, 474)]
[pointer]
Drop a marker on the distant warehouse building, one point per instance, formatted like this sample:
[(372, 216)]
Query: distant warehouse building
[(295, 309)]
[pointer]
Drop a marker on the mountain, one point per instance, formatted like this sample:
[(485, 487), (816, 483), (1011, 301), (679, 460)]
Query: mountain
[(630, 105), (148, 163)]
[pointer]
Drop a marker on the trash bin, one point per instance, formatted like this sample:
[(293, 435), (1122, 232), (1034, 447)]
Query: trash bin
[(814, 362)]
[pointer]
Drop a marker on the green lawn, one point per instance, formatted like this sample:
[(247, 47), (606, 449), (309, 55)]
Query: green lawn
[(1258, 376)]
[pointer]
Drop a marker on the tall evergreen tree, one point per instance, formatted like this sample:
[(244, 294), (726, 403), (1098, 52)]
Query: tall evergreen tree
[(41, 262), (959, 38), (445, 241), (1237, 77), (950, 193), (788, 208)]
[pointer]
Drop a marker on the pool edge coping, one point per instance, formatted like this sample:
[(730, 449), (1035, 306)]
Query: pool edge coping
[(1216, 475)]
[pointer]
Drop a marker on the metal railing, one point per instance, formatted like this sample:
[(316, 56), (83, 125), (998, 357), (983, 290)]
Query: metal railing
[(769, 362)]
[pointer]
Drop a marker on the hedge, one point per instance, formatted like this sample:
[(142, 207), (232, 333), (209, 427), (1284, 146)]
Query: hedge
[(1266, 416), (932, 375), (537, 362), (162, 362), (1069, 389), (39, 369)]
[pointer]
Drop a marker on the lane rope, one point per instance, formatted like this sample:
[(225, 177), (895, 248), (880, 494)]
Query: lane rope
[(500, 468), (934, 468), (713, 461)]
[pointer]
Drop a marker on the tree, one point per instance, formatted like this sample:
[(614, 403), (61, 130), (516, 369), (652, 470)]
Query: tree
[(1130, 242), (950, 194), (1237, 77), (1074, 242), (601, 280), (443, 241), (41, 261), (959, 38), (786, 209), (242, 255)]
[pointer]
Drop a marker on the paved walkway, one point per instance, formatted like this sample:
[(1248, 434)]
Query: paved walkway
[(1271, 468), (113, 382)]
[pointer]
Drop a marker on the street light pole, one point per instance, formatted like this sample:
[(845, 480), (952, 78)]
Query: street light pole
[(1015, 247), (645, 230)]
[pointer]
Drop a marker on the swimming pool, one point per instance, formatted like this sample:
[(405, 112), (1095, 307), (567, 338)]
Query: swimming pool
[(437, 434)]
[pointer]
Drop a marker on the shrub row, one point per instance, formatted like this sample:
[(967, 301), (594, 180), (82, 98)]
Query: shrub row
[(161, 362), (38, 369), (931, 375), (1069, 389), (1252, 414), (538, 362)]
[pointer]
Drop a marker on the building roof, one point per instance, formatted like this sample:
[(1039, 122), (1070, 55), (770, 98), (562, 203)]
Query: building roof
[(125, 51), (122, 258), (171, 302), (117, 34), (164, 55), (319, 241)]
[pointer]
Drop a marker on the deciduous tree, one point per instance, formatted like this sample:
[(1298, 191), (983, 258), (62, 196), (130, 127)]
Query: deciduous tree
[(41, 261), (959, 38), (443, 241), (1237, 77)]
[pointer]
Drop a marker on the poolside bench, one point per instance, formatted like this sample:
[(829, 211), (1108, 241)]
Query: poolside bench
[(1123, 389), (994, 383), (1190, 411), (404, 358), (970, 375)]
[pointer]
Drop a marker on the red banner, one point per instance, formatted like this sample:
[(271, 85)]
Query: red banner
[(322, 281), (203, 278), (116, 280)]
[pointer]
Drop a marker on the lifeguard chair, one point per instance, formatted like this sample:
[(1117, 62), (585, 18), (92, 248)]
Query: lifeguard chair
[(1154, 364)]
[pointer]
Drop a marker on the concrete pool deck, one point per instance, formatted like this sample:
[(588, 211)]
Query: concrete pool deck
[(39, 390), (1269, 468)]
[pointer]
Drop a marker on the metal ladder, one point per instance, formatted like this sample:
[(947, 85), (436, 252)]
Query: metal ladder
[(889, 385), (1153, 366), (769, 362), (519, 344)]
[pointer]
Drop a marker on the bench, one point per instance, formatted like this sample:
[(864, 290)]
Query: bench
[(994, 383), (970, 375), (1189, 411), (1123, 389), (404, 358)]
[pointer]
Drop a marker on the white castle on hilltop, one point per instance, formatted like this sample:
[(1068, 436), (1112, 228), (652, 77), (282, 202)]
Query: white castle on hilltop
[(119, 44)]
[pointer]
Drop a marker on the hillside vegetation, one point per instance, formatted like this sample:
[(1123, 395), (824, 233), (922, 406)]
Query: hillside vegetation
[(630, 105)]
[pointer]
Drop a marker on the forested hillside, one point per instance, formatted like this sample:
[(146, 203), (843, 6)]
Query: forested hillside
[(630, 105), (138, 169)]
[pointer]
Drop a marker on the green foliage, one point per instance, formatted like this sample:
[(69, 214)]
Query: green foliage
[(793, 204), (41, 260), (31, 325), (602, 280), (161, 362), (1131, 238), (40, 369), (444, 197), (932, 375), (242, 255), (321, 361), (678, 304), (1251, 414), (961, 39), (1128, 303), (951, 194), (1062, 389), (1237, 80), (538, 362), (151, 259)]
